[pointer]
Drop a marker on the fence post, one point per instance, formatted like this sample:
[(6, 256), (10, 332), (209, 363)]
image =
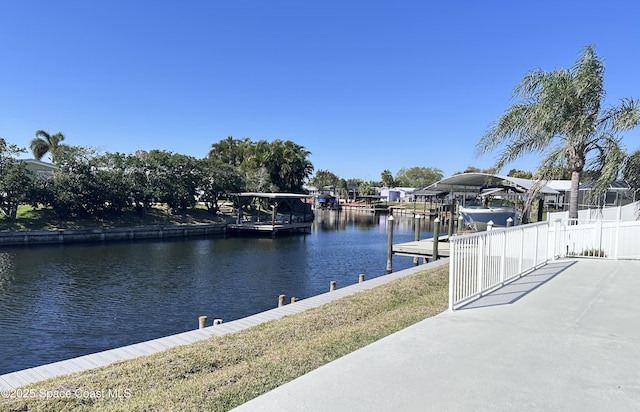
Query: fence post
[(452, 268), (521, 260), (617, 240), (597, 240), (503, 258), (535, 249), (480, 263), (557, 250)]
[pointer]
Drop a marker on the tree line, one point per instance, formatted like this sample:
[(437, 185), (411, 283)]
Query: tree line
[(86, 182)]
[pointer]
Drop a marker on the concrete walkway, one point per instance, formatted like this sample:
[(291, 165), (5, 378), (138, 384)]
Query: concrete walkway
[(27, 376), (563, 338)]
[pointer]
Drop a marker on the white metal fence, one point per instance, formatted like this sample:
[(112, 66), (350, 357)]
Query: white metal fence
[(482, 262), (627, 213)]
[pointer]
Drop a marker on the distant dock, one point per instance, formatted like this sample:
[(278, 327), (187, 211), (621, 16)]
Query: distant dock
[(261, 213), (256, 227)]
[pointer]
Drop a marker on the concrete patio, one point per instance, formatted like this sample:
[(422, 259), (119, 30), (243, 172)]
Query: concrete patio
[(566, 337)]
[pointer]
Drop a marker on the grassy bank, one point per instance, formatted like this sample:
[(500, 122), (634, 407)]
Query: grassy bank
[(223, 372), (43, 218)]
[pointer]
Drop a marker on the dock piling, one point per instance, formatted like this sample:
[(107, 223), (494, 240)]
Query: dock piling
[(416, 260), (281, 300), (332, 286), (217, 321), (202, 322), (436, 236), (389, 243), (361, 278)]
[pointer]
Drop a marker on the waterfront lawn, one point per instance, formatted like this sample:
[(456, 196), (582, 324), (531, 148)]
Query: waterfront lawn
[(223, 372), (44, 218)]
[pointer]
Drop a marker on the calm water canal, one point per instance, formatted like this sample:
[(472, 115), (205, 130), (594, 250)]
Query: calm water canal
[(59, 302)]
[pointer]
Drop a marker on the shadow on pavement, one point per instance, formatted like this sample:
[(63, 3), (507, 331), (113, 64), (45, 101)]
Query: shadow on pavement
[(519, 288)]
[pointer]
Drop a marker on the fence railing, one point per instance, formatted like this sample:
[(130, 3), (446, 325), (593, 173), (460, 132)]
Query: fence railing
[(482, 262), (627, 213), (610, 240)]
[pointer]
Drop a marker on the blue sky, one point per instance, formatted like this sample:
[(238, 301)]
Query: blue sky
[(363, 85)]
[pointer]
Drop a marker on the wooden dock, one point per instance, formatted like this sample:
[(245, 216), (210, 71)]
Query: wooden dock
[(422, 248), (257, 227)]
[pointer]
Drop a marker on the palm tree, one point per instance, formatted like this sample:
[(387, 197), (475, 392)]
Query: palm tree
[(45, 143), (560, 114)]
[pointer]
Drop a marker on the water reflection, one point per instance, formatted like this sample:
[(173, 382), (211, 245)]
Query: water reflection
[(58, 302)]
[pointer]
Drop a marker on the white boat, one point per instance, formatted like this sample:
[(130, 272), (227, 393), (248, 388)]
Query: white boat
[(497, 210)]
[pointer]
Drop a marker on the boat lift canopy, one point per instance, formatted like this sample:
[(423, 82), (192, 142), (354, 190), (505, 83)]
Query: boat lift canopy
[(466, 182)]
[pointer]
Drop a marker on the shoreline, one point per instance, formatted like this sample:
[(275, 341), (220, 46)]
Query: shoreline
[(107, 234)]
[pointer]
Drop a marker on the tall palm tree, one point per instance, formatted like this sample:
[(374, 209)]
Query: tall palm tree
[(45, 143), (560, 114)]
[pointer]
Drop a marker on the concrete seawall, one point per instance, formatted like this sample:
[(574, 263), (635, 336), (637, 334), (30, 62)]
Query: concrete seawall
[(43, 237)]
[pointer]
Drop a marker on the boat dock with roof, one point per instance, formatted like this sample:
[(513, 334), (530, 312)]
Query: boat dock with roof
[(271, 213)]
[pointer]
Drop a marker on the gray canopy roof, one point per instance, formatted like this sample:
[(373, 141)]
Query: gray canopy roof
[(475, 181)]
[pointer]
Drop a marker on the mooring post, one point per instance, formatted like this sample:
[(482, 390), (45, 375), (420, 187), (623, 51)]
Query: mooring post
[(281, 300), (217, 321), (202, 321), (332, 286), (416, 259), (436, 238), (451, 215), (460, 223), (361, 278), (509, 222), (389, 243), (294, 299)]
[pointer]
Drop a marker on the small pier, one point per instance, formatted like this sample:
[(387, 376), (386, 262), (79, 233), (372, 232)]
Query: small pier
[(256, 227), (422, 248), (271, 213)]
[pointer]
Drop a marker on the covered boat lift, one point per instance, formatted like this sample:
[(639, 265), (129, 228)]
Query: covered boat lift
[(460, 186), (271, 212)]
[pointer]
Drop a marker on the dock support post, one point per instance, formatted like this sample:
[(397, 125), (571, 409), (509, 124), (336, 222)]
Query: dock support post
[(294, 299), (436, 238), (217, 321), (416, 259), (389, 243), (451, 215), (332, 286), (361, 278), (281, 300), (202, 322)]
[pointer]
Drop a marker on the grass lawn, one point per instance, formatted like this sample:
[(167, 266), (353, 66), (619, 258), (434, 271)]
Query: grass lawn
[(223, 372), (43, 218)]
